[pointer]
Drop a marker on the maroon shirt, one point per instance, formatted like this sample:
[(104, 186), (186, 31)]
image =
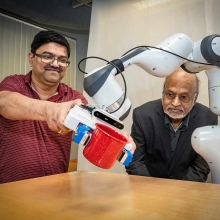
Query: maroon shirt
[(28, 148)]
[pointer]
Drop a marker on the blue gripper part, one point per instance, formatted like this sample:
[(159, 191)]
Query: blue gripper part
[(80, 132), (129, 157)]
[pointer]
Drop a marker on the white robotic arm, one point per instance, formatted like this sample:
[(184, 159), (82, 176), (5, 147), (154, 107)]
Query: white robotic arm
[(100, 84)]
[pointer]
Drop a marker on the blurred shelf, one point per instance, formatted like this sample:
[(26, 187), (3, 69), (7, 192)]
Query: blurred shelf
[(72, 165)]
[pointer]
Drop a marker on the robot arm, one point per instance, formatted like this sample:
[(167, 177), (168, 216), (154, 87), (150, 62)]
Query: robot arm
[(100, 84)]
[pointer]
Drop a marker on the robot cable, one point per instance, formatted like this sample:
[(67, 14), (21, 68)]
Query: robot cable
[(166, 52)]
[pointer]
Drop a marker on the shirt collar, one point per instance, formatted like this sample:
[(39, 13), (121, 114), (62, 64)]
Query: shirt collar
[(184, 124)]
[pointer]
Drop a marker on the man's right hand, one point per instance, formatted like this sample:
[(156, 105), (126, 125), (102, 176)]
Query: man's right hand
[(55, 114)]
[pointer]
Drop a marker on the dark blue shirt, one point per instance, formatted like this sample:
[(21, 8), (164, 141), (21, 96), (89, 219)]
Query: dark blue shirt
[(175, 134)]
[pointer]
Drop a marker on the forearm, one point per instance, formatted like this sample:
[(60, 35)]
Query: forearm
[(198, 170), (15, 106), (137, 166)]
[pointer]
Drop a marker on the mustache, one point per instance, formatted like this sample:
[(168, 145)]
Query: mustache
[(175, 108), (179, 115), (58, 69)]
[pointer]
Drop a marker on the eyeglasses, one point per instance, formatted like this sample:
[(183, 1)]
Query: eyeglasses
[(48, 58), (183, 98)]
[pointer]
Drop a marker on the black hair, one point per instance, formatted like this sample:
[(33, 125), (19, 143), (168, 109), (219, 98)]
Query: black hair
[(44, 37)]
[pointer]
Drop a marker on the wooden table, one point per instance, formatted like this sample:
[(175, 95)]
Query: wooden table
[(100, 195)]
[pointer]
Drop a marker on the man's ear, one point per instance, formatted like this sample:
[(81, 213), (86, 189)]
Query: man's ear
[(196, 96), (30, 58)]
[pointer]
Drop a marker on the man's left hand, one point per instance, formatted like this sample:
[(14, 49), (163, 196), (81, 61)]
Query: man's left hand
[(130, 140)]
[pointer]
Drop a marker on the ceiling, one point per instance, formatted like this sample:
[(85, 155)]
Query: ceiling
[(72, 16)]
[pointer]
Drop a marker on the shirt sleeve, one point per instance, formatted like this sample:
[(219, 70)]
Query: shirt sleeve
[(137, 165), (198, 171), (80, 96), (10, 83)]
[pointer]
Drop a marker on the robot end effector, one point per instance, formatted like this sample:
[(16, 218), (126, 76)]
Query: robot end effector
[(160, 61)]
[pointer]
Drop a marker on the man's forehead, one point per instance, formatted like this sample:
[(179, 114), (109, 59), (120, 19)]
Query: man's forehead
[(180, 89), (177, 90), (181, 75), (53, 47), (186, 81)]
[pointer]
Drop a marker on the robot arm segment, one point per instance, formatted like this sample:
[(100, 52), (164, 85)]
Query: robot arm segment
[(210, 49), (207, 51), (100, 84)]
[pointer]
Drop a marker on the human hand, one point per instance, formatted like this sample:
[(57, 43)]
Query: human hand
[(130, 140), (55, 114)]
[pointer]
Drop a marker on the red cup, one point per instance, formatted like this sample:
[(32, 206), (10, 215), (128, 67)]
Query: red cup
[(104, 146)]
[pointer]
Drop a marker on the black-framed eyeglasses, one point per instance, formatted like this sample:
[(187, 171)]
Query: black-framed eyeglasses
[(182, 98), (49, 58)]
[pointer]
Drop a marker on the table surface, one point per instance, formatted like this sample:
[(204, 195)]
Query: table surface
[(102, 195)]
